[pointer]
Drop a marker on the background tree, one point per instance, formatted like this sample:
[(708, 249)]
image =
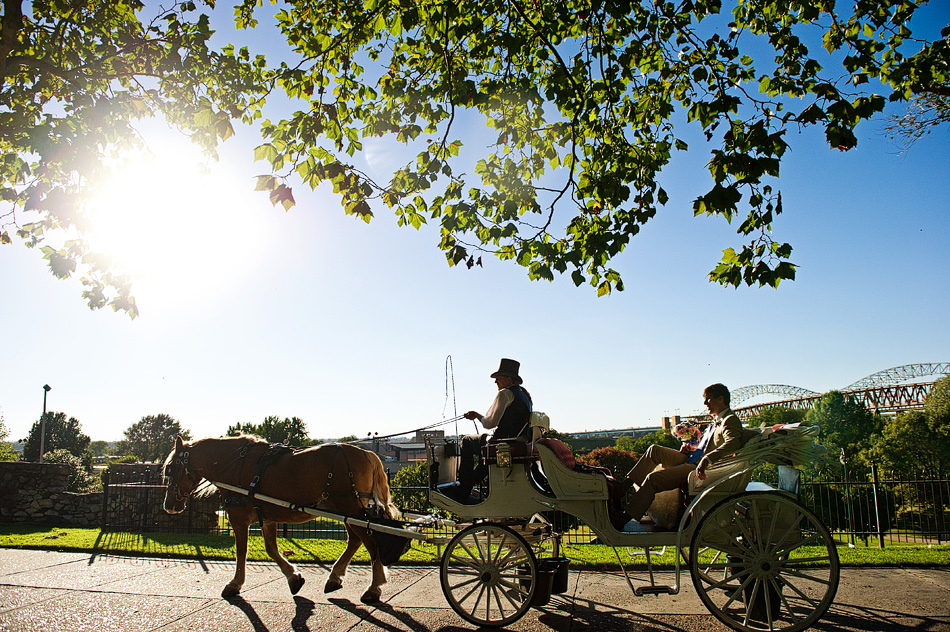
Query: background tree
[(348, 439), (777, 415), (100, 448), (7, 453), (845, 424), (151, 437), (563, 437), (907, 443), (61, 434), (288, 431), (639, 445), (585, 102), (937, 407)]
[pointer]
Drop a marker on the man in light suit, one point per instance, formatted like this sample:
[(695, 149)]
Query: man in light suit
[(723, 437)]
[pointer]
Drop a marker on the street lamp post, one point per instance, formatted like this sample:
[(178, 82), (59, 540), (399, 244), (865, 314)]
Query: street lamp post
[(46, 389)]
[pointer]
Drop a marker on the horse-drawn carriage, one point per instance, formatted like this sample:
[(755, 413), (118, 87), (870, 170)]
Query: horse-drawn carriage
[(757, 558)]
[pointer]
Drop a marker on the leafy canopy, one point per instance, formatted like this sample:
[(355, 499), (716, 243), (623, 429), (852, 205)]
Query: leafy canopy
[(846, 426), (639, 445), (7, 453), (150, 438), (937, 407), (61, 434), (290, 431), (907, 443), (585, 103)]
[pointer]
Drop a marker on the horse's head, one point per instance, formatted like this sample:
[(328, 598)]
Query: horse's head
[(181, 480)]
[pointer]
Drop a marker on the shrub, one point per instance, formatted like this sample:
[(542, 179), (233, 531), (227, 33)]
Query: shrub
[(618, 461), (410, 488), (78, 479)]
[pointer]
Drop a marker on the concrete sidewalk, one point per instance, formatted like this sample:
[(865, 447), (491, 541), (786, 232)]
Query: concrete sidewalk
[(72, 592)]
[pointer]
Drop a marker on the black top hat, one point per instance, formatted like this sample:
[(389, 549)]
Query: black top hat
[(508, 368)]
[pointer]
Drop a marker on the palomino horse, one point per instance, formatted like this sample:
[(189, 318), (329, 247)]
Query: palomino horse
[(334, 477)]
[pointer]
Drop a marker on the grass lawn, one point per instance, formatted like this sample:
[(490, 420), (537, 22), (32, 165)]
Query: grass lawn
[(221, 547)]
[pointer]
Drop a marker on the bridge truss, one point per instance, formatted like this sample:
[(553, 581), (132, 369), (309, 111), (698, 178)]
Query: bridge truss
[(888, 391)]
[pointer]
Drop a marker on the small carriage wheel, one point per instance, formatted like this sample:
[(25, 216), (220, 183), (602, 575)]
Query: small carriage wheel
[(761, 561), (489, 575)]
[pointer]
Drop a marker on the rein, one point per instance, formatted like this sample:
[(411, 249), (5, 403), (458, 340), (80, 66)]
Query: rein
[(405, 432)]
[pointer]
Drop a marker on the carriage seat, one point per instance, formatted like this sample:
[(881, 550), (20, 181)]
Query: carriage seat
[(565, 480)]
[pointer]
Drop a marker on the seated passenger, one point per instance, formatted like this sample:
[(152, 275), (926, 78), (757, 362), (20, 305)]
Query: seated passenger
[(508, 415), (723, 437)]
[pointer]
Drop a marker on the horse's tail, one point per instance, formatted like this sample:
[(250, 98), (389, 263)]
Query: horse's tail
[(381, 490)]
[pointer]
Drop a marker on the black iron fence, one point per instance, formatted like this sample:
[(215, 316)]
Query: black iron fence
[(887, 508)]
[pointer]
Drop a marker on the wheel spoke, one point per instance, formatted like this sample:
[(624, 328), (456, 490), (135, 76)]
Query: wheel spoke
[(498, 592), (788, 606), (752, 599), (737, 592), (731, 540), (802, 560), (756, 544), (476, 587), (809, 540), (464, 583), (475, 559), (726, 580), (794, 526), (468, 562), (791, 586)]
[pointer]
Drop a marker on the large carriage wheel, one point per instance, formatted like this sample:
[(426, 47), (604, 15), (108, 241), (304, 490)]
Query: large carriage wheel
[(489, 575), (761, 561)]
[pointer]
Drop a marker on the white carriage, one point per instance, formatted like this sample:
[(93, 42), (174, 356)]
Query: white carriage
[(758, 559)]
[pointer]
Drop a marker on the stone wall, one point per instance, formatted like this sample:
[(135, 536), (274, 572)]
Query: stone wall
[(34, 493)]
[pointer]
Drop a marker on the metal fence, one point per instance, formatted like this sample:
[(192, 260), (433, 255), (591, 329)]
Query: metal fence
[(888, 508), (884, 509), (132, 498)]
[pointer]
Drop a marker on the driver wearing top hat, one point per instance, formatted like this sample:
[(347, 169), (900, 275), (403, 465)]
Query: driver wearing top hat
[(508, 415)]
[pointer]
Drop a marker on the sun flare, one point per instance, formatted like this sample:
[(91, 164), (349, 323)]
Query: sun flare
[(175, 223)]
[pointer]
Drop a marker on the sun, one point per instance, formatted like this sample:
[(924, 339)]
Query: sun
[(178, 224)]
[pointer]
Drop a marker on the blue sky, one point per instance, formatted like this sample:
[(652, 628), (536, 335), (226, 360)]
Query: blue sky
[(248, 311)]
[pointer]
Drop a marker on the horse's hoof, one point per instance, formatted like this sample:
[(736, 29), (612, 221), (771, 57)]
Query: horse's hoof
[(332, 585), (371, 596), (296, 583), (230, 592)]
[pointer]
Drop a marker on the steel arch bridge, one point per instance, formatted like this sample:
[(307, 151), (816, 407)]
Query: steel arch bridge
[(887, 391)]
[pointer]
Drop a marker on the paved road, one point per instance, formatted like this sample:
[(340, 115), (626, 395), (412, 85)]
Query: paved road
[(72, 592)]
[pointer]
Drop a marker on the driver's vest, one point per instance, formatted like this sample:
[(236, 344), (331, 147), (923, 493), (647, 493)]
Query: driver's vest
[(514, 421)]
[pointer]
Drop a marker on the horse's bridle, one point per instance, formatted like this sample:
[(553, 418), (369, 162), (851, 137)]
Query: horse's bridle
[(180, 458)]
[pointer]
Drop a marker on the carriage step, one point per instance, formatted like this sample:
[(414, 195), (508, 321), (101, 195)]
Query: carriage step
[(655, 590)]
